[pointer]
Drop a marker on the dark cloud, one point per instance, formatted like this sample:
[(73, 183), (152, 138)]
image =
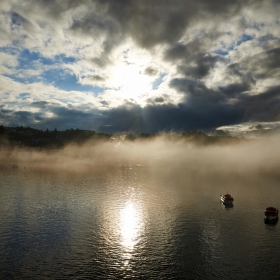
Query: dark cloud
[(259, 126), (263, 107), (238, 72), (202, 109), (101, 61), (62, 117), (95, 26), (236, 89), (18, 118), (156, 22), (150, 24), (99, 26), (202, 64), (79, 118), (39, 104), (105, 103), (159, 100), (192, 59), (263, 65), (220, 132), (196, 90), (98, 78), (179, 51), (151, 71), (166, 117), (196, 48)]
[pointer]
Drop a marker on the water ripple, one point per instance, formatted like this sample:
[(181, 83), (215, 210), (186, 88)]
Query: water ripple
[(132, 226)]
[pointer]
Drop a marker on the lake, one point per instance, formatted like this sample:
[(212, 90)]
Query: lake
[(134, 222)]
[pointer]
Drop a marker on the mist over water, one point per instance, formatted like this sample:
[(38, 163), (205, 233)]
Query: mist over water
[(244, 158), (140, 210)]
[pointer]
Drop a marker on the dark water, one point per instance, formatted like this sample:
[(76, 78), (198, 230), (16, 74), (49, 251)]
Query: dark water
[(136, 224)]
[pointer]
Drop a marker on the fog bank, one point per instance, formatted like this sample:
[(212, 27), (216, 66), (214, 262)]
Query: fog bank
[(161, 154)]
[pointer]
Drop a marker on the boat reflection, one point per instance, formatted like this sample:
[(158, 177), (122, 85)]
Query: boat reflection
[(227, 205), (270, 222)]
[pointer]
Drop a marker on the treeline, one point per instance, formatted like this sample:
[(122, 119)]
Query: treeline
[(31, 137)]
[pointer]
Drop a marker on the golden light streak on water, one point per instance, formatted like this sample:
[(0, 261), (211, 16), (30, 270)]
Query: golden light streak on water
[(130, 224)]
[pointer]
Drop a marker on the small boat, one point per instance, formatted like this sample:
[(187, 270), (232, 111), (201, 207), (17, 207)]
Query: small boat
[(226, 198), (271, 213)]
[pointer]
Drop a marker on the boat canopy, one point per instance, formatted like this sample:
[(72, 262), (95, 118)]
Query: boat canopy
[(271, 209)]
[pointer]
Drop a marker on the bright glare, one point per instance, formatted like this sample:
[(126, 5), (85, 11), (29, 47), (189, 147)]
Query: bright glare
[(130, 225), (131, 81)]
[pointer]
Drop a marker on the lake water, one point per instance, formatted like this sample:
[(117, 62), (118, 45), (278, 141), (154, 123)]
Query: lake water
[(137, 223)]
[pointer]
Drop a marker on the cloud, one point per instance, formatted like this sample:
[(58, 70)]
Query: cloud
[(151, 71), (40, 104), (159, 99), (139, 65), (98, 78), (200, 66), (196, 113), (264, 65)]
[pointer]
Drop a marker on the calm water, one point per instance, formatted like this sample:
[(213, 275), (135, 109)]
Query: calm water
[(136, 224)]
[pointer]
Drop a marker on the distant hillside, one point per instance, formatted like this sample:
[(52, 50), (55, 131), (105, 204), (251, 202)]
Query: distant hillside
[(30, 137)]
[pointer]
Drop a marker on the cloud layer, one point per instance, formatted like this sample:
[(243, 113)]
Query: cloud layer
[(140, 66)]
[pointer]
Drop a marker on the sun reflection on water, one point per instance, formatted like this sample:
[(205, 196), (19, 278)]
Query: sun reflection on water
[(130, 226)]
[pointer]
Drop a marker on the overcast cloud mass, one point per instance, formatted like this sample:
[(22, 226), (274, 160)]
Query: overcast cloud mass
[(140, 66)]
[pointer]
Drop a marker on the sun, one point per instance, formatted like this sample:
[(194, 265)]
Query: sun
[(131, 80)]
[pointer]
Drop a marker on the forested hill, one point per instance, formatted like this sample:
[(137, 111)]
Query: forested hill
[(31, 137)]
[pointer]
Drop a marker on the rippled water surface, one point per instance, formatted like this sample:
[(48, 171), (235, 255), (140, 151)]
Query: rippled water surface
[(136, 223)]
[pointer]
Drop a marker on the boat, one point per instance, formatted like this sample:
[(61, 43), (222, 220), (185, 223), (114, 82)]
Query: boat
[(271, 213), (226, 198)]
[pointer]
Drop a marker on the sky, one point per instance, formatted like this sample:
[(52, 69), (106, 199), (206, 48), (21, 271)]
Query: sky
[(119, 66)]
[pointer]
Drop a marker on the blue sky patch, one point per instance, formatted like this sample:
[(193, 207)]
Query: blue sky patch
[(10, 50), (158, 81), (67, 81), (60, 78), (221, 52), (23, 96), (244, 38), (27, 58), (23, 80)]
